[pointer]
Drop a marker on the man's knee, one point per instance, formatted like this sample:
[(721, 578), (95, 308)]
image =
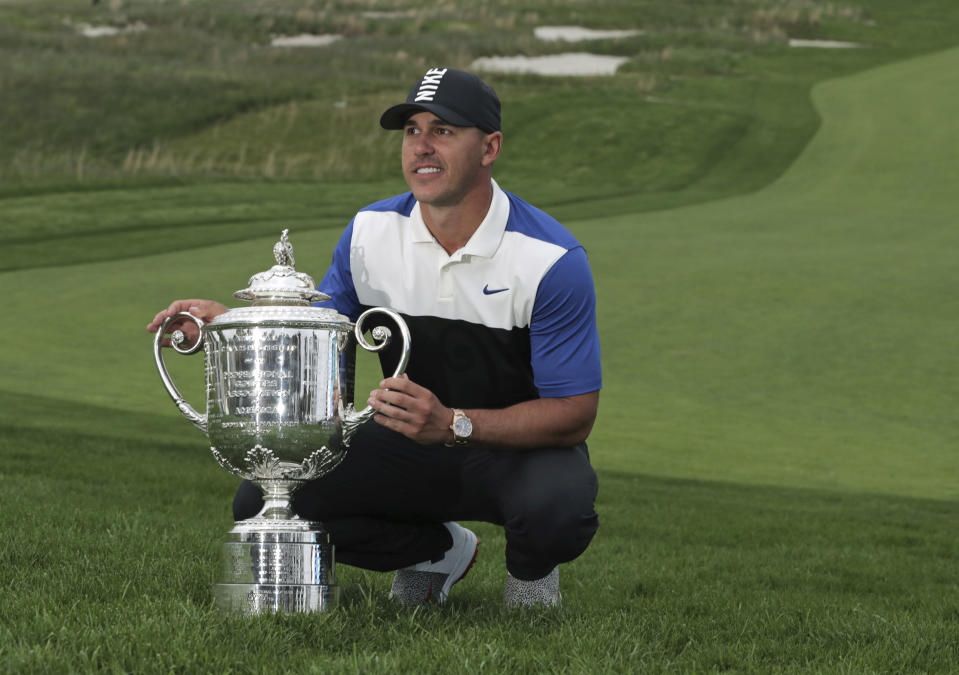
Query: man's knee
[(557, 531), (552, 512), (247, 502)]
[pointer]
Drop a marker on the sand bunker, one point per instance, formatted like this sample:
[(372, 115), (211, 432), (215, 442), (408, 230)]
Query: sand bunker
[(304, 40), (390, 14), (577, 64), (825, 44), (573, 63), (579, 33), (86, 30)]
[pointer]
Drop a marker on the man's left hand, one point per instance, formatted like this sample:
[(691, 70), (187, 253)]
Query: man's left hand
[(412, 410)]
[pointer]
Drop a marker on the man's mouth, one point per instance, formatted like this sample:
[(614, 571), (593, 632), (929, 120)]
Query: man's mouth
[(427, 169)]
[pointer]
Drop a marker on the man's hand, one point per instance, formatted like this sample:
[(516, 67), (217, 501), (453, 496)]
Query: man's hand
[(205, 310), (412, 410)]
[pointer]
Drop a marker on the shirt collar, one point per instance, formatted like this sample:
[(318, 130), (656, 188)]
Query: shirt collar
[(488, 235)]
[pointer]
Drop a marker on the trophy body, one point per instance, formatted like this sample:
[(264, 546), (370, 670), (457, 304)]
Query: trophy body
[(279, 390)]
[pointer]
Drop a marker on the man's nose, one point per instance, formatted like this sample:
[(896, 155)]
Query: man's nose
[(422, 145)]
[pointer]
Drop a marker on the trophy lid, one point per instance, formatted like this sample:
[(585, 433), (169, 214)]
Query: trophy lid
[(282, 284)]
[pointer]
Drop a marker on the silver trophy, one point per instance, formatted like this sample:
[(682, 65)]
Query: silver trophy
[(279, 401)]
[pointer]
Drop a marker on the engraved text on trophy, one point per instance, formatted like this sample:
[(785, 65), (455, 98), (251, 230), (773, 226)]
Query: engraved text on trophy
[(273, 386)]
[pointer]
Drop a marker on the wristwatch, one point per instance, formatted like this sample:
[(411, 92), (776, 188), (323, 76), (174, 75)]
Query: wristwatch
[(462, 427)]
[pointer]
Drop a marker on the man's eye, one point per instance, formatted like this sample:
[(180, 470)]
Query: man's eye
[(410, 131), (443, 131)]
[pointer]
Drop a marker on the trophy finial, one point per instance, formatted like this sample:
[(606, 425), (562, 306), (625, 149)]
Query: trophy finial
[(282, 284), (283, 251)]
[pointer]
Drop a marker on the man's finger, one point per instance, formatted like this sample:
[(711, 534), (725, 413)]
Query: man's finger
[(393, 399), (402, 383), (388, 422)]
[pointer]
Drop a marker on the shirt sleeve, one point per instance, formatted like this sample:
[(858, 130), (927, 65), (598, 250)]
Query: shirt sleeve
[(564, 340), (338, 281)]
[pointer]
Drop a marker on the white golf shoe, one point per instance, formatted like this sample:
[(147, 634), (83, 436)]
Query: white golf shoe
[(431, 581)]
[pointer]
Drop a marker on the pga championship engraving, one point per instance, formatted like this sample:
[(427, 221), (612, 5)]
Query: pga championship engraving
[(279, 412)]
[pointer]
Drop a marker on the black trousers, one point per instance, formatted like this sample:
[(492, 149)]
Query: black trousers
[(384, 505)]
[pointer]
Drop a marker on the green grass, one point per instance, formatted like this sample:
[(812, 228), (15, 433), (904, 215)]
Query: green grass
[(773, 238), (685, 575)]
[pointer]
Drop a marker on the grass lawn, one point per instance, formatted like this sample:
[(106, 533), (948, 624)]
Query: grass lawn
[(777, 435)]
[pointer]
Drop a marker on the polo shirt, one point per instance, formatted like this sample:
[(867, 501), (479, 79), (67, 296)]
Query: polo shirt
[(509, 317)]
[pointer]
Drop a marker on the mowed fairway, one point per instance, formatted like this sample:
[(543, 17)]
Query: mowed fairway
[(777, 442), (805, 334)]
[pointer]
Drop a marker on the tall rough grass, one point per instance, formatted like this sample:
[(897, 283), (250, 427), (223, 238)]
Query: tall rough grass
[(199, 91)]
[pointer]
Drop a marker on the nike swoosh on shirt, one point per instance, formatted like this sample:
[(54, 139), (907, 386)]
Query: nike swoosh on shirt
[(490, 291)]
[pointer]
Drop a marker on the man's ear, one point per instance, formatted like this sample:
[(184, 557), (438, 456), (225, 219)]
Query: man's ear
[(492, 145)]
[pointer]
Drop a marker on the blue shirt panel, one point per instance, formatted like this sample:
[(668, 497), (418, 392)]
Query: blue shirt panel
[(338, 280), (564, 341)]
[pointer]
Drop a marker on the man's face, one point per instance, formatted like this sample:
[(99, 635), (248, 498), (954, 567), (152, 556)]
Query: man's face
[(442, 163)]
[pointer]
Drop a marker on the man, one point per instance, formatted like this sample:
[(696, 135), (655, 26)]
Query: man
[(490, 421)]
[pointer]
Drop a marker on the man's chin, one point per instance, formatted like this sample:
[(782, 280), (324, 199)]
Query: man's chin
[(428, 197)]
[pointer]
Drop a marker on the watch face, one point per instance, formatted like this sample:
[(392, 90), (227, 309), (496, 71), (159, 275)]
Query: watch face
[(462, 427)]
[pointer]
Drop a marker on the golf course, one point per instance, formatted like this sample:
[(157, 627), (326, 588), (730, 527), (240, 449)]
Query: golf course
[(774, 237)]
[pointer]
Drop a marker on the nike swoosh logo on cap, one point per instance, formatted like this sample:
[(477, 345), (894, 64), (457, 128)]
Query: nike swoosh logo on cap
[(490, 291)]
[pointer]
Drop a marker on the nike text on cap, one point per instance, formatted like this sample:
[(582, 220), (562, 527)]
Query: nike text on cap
[(455, 96)]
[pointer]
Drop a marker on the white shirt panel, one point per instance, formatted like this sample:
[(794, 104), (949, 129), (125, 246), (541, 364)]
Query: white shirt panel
[(392, 267)]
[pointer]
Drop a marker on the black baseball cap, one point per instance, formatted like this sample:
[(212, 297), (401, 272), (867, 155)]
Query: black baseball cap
[(455, 96)]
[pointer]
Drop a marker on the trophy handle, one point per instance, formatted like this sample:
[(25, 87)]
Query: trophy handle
[(198, 420), (382, 337)]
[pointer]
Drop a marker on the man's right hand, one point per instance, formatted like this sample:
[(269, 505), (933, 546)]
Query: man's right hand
[(204, 310)]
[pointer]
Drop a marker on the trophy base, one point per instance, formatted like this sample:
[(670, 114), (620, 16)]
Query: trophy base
[(276, 565), (253, 599)]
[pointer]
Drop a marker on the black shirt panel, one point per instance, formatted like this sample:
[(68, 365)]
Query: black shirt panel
[(465, 365)]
